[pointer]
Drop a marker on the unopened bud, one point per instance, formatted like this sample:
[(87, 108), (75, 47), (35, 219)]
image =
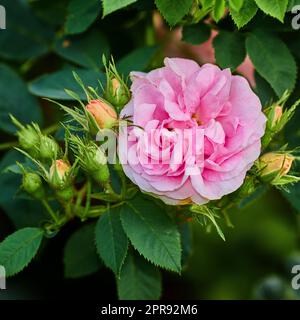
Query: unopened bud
[(49, 149), (277, 115), (103, 113), (28, 138), (59, 174), (275, 165), (95, 163), (117, 93), (32, 183)]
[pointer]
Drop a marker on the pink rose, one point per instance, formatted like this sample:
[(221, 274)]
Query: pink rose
[(208, 119)]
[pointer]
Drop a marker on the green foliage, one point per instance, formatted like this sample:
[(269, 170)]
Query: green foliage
[(111, 6), (275, 8), (84, 50), (81, 14), (53, 85), (245, 14), (139, 279), (172, 11), (25, 37), (137, 60), (12, 99), (111, 241), (152, 233), (230, 49), (218, 10), (81, 262), (272, 60), (236, 5), (18, 249), (196, 33)]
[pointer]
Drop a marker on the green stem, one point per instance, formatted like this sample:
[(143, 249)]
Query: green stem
[(88, 197), (50, 211)]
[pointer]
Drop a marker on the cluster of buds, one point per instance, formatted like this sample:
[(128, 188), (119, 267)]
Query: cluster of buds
[(35, 143), (274, 168)]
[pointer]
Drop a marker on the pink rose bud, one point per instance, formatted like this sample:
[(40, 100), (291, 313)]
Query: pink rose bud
[(275, 165), (277, 115), (104, 115), (61, 180)]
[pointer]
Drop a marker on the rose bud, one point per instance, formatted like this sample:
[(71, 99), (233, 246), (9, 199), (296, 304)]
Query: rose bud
[(277, 114), (32, 183), (28, 136), (61, 180), (49, 149), (94, 162), (117, 93), (103, 114), (275, 165)]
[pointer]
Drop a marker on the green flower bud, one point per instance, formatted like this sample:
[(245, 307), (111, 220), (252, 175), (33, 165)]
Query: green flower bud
[(65, 194), (117, 93), (59, 177), (32, 183), (49, 149), (94, 162), (29, 139)]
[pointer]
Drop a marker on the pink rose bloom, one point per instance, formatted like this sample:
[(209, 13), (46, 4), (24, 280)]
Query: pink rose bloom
[(208, 119)]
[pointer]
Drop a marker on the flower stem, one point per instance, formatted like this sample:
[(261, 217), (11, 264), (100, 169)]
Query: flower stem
[(50, 211)]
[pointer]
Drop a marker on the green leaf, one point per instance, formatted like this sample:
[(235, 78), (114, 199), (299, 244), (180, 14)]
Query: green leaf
[(110, 6), (230, 49), (137, 60), (80, 256), (152, 233), (186, 242), (81, 14), (196, 33), (272, 60), (19, 248), (236, 5), (139, 279), (15, 99), (245, 14), (274, 8), (292, 4), (218, 10), (173, 11), (53, 85), (293, 196), (47, 9), (111, 241), (25, 37), (85, 50)]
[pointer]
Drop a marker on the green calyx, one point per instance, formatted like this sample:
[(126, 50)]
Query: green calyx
[(32, 183)]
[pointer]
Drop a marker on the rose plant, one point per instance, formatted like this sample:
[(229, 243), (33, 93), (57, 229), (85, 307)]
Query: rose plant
[(136, 158)]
